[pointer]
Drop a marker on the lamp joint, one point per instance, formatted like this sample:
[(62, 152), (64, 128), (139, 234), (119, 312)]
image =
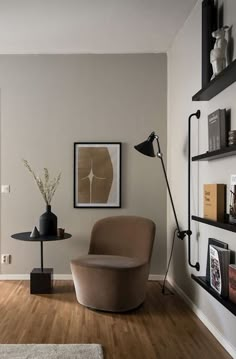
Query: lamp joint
[(182, 234)]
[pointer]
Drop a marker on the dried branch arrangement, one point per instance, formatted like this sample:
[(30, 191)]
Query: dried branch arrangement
[(46, 186)]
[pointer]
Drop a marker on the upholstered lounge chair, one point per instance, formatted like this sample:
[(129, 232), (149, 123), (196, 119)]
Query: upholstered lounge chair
[(113, 276)]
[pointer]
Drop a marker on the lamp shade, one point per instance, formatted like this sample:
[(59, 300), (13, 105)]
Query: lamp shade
[(146, 147)]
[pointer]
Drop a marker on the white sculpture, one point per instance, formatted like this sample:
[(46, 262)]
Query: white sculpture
[(219, 58)]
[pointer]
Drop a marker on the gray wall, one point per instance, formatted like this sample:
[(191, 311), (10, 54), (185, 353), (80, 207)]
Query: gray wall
[(184, 80), (50, 101)]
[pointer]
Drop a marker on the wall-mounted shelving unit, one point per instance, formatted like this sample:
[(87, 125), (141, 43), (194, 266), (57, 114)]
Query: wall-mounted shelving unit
[(225, 302), (213, 88), (226, 78), (213, 155)]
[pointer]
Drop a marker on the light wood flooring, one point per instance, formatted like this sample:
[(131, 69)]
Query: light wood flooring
[(163, 328)]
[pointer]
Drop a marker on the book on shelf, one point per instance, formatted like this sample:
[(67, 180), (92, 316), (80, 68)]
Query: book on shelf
[(217, 130), (219, 269), (214, 242), (232, 283), (214, 201)]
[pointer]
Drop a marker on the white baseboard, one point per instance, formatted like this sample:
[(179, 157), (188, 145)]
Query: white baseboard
[(14, 276), (152, 277), (218, 335), (62, 276)]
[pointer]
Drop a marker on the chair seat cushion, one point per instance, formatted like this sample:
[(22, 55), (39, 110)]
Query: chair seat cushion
[(108, 262)]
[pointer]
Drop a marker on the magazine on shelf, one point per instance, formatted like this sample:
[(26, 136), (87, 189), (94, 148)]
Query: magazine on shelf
[(214, 242), (219, 264)]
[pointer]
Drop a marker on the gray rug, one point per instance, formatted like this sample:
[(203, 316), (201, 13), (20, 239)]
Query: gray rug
[(51, 351)]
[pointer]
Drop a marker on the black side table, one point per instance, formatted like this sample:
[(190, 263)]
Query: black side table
[(40, 278)]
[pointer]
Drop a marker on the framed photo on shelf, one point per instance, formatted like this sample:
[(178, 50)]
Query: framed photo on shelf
[(97, 174)]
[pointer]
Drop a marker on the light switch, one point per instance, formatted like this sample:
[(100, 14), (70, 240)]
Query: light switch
[(5, 188)]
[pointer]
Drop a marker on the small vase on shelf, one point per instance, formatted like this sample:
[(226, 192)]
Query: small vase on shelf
[(48, 223)]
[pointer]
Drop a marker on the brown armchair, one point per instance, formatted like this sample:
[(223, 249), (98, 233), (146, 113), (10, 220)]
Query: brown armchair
[(113, 276)]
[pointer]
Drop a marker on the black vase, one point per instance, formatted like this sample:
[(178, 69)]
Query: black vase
[(48, 223)]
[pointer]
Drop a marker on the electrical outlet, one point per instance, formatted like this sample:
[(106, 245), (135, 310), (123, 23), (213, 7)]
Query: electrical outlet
[(5, 188), (5, 258)]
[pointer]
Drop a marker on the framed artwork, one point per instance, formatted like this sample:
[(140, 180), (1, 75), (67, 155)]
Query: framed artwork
[(97, 174)]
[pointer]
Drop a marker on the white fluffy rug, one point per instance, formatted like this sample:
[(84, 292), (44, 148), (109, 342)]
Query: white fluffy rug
[(51, 351)]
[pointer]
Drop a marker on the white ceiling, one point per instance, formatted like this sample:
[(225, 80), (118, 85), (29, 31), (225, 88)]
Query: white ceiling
[(90, 26)]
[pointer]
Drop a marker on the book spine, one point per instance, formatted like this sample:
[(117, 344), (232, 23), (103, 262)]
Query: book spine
[(214, 130), (217, 134), (224, 264), (223, 129), (232, 283), (210, 135)]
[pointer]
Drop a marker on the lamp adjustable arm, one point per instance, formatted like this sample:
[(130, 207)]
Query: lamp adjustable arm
[(180, 234)]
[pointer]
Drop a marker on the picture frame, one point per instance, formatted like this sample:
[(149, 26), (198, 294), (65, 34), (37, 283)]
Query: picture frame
[(97, 175)]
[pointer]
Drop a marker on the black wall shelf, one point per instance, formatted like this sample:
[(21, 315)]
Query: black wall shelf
[(213, 155), (225, 302), (218, 84), (223, 225)]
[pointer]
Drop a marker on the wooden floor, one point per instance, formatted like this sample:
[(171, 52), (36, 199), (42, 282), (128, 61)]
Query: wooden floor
[(163, 328)]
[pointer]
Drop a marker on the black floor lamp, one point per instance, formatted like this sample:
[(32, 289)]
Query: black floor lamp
[(147, 149)]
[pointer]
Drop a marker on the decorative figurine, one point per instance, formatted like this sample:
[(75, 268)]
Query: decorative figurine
[(34, 233), (219, 56)]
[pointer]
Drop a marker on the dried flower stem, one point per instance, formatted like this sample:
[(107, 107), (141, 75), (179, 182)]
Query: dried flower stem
[(47, 187)]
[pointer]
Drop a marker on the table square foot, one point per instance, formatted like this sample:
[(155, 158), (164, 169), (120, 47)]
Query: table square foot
[(41, 282)]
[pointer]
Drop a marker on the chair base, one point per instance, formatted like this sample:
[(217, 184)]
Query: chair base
[(125, 311), (110, 283)]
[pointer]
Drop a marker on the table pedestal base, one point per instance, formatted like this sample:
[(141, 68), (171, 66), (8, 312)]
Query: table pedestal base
[(41, 282)]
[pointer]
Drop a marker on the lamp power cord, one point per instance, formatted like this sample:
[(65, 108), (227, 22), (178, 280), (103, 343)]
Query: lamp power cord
[(168, 266)]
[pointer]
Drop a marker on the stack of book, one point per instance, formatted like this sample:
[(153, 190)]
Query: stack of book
[(217, 130)]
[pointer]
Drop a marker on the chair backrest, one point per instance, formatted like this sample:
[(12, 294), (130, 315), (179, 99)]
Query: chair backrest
[(128, 236)]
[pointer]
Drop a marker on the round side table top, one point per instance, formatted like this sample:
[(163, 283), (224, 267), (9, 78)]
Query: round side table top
[(25, 236)]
